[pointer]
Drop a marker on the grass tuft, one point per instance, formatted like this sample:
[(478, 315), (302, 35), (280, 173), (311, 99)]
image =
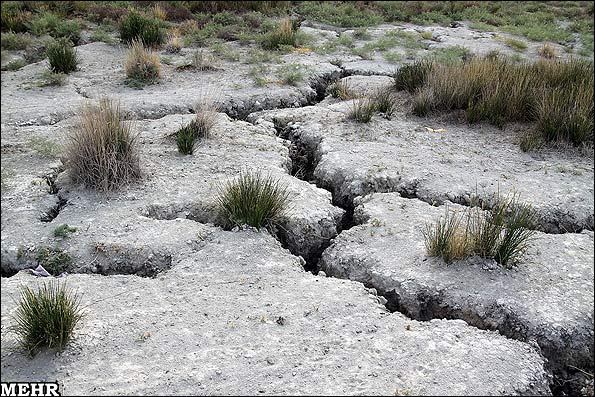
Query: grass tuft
[(136, 27), (199, 128), (412, 76), (142, 66), (253, 199), (503, 233), (547, 51), (284, 35), (46, 317), (102, 151), (62, 56), (340, 89), (362, 110)]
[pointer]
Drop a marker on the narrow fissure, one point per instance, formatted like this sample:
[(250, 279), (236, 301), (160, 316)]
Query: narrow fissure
[(51, 214)]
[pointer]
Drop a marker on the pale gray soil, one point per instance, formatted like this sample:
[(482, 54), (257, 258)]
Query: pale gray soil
[(175, 304)]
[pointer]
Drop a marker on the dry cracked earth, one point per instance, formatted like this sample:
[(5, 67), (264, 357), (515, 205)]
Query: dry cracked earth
[(343, 299)]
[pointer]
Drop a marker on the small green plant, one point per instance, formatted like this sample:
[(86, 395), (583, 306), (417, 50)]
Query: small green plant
[(362, 110), (63, 230), (199, 128), (102, 151), (46, 317), (291, 74), (253, 199), (226, 52), (412, 76), (15, 41), (103, 35), (393, 57), (142, 66), (136, 27), (62, 56), (258, 75), (54, 260), (201, 61), (174, 44)]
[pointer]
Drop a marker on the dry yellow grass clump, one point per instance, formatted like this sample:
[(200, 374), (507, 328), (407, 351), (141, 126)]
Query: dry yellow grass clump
[(141, 64), (102, 150)]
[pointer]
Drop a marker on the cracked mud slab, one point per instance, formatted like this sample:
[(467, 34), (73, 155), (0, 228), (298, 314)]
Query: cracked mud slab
[(173, 186), (547, 298), (240, 316), (101, 73), (406, 155)]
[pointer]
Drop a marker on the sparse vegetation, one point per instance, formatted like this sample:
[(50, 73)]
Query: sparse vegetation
[(54, 260), (49, 23), (46, 317), (291, 74), (340, 89), (102, 151), (135, 27), (174, 44), (142, 66), (14, 65), (63, 230), (199, 128), (503, 233), (62, 56), (253, 199)]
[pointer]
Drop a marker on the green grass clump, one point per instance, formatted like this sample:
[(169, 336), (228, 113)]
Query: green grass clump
[(136, 27), (362, 110), (284, 35), (252, 199), (63, 230), (412, 76), (199, 128), (102, 151), (503, 233), (62, 56), (15, 41), (56, 26), (54, 260), (46, 317), (384, 101), (14, 18)]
